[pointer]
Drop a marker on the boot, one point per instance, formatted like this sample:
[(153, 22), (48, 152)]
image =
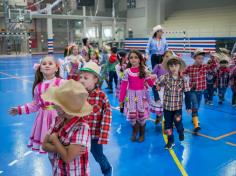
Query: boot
[(158, 119), (142, 133), (134, 132), (196, 124)]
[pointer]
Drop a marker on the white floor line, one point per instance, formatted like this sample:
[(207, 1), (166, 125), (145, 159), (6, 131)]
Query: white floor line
[(27, 153), (14, 77), (12, 163)]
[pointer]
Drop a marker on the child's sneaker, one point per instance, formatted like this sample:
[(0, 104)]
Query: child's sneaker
[(181, 137), (210, 103), (169, 145)]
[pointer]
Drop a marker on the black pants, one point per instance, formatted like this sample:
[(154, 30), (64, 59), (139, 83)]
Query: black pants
[(170, 118), (156, 59), (155, 93), (233, 98), (112, 75)]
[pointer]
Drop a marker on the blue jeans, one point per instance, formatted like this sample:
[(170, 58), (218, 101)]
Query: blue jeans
[(221, 93), (196, 97), (97, 152), (209, 93)]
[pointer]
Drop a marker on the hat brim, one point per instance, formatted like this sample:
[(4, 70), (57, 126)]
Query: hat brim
[(50, 96), (182, 63), (90, 71), (199, 53)]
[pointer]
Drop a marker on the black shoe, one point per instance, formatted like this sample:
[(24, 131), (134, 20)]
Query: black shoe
[(169, 145), (220, 102), (196, 129), (121, 110), (181, 137)]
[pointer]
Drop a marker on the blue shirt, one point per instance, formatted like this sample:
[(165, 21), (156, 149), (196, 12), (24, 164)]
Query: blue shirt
[(156, 47)]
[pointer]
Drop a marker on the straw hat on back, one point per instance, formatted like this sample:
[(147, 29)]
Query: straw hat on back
[(71, 97)]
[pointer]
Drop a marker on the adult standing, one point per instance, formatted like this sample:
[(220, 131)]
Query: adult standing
[(87, 49), (156, 46)]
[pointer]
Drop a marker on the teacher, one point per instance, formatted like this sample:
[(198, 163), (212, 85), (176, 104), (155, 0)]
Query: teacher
[(156, 46)]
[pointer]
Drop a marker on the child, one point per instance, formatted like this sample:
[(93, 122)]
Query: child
[(86, 50), (100, 118), (103, 64), (68, 141), (223, 78), (158, 70), (112, 62), (197, 80), (133, 84), (211, 84), (174, 86), (47, 75), (233, 85), (120, 68), (73, 63)]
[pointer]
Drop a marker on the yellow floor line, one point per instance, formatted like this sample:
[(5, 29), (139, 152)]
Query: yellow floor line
[(200, 134), (172, 152)]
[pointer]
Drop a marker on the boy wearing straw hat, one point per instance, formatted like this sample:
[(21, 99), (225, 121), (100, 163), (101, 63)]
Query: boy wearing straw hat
[(100, 117), (223, 75), (175, 85), (197, 81), (69, 139)]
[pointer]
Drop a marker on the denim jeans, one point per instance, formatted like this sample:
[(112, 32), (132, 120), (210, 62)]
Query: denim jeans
[(155, 93), (196, 97), (233, 97), (209, 93), (112, 75), (97, 152), (221, 93)]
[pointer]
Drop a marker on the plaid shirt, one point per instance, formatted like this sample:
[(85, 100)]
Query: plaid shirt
[(197, 75), (100, 118), (76, 131), (173, 92), (223, 77)]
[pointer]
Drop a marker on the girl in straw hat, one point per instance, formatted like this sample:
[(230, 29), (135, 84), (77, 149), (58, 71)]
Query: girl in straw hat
[(175, 86), (100, 117), (46, 75), (68, 141), (133, 85), (156, 46)]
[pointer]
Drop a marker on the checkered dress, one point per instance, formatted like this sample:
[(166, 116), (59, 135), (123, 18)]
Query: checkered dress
[(76, 131), (100, 118), (173, 91)]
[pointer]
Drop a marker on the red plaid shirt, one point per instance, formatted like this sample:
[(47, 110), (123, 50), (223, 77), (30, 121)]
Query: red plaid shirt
[(76, 131), (173, 91), (197, 75), (100, 118)]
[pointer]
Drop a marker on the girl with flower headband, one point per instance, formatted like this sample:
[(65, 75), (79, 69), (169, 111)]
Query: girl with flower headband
[(46, 75), (73, 63), (133, 84)]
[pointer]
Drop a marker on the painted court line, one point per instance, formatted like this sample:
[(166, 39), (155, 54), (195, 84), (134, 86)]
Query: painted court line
[(13, 76), (231, 144), (226, 135), (27, 153), (13, 162), (172, 152)]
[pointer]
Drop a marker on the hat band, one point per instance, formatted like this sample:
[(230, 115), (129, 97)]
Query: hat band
[(89, 70)]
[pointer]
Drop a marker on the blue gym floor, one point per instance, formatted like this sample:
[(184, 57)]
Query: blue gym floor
[(211, 153)]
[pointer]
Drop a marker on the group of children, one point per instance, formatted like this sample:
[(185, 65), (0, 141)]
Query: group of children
[(74, 114)]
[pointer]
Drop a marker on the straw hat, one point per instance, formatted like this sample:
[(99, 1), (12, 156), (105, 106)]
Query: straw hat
[(71, 96), (198, 51), (224, 50), (165, 62), (92, 67), (224, 57), (156, 28)]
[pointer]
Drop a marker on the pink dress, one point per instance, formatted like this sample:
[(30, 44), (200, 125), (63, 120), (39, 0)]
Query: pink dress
[(137, 103), (45, 117)]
